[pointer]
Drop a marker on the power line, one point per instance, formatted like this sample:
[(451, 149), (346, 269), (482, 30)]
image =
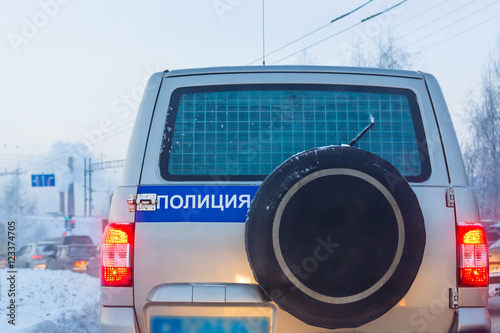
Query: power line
[(16, 172), (425, 25), (349, 13), (454, 23), (438, 19), (384, 11), (422, 13), (310, 33), (107, 165), (119, 130), (462, 32), (338, 33), (319, 42)]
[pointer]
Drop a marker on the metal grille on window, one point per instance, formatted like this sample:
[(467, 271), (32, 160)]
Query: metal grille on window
[(252, 132)]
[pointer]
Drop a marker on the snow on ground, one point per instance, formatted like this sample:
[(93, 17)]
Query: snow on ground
[(51, 302)]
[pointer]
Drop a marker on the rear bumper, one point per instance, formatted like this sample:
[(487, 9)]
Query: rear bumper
[(473, 320), (114, 320), (122, 319)]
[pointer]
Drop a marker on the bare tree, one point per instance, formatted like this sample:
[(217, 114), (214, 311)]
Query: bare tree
[(14, 200), (306, 58), (359, 56), (389, 53), (482, 151)]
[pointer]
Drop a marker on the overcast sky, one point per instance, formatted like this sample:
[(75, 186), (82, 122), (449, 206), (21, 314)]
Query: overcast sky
[(71, 70)]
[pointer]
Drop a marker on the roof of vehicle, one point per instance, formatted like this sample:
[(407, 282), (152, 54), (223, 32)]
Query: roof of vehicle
[(77, 239), (295, 69), (45, 242), (488, 223), (65, 239), (76, 244)]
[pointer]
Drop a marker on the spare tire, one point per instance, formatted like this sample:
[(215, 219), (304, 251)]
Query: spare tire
[(335, 236)]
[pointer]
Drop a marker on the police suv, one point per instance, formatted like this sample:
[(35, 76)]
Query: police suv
[(293, 199)]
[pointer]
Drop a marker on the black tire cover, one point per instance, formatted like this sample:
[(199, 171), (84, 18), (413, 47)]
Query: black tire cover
[(335, 236)]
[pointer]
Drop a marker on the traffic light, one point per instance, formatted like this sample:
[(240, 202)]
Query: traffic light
[(69, 223)]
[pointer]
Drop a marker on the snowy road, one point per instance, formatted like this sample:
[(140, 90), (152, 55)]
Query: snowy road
[(51, 301)]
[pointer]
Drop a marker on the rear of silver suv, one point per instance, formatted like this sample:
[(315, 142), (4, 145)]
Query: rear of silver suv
[(293, 199)]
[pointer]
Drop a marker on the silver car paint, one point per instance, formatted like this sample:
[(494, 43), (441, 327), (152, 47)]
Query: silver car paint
[(214, 252)]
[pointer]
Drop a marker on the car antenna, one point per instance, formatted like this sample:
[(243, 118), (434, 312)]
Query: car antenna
[(263, 35), (363, 132)]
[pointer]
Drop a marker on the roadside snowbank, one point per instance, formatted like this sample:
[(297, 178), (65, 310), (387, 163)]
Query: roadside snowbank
[(51, 301)]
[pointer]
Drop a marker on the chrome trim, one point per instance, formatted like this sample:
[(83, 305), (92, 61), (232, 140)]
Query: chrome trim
[(207, 293)]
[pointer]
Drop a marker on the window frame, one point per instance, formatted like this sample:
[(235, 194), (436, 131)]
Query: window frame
[(167, 137)]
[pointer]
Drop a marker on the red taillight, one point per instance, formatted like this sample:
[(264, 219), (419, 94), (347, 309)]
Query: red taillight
[(36, 256), (117, 255), (473, 256)]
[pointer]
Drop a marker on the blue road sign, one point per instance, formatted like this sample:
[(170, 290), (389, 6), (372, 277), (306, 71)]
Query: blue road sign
[(43, 180)]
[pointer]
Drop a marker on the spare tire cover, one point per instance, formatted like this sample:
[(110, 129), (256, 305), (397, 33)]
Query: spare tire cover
[(335, 236)]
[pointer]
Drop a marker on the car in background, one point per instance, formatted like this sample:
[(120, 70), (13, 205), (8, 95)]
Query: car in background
[(492, 230), (3, 260), (77, 239), (3, 246), (71, 257), (34, 255), (494, 272), (73, 239), (495, 258), (94, 264)]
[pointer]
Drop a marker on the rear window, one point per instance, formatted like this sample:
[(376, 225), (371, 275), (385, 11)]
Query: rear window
[(81, 251), (24, 249), (77, 240), (242, 132), (45, 248)]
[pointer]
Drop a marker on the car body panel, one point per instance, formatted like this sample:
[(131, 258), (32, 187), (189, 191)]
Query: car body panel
[(213, 252), (151, 174), (94, 263), (117, 319), (71, 257), (132, 169), (25, 256), (446, 134), (294, 69)]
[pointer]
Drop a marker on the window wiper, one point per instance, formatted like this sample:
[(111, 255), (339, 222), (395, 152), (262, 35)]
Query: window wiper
[(363, 132)]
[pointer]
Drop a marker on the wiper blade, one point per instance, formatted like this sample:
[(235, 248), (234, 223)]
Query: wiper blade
[(363, 132)]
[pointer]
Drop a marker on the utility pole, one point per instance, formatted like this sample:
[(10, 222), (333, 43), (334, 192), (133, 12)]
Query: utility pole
[(62, 211), (85, 187), (90, 187), (88, 169), (71, 190)]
